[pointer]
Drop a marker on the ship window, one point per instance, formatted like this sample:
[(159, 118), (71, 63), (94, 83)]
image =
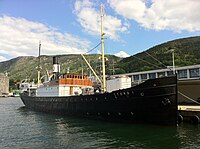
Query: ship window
[(161, 74), (143, 76), (170, 73), (136, 77), (182, 74), (152, 75), (194, 73)]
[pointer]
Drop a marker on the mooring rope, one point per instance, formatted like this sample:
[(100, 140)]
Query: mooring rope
[(188, 98)]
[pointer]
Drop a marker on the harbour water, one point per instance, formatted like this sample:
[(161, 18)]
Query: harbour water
[(23, 129)]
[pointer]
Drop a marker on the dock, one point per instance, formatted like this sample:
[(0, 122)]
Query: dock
[(189, 113)]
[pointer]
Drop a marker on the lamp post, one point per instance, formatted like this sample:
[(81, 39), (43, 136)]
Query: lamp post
[(173, 60)]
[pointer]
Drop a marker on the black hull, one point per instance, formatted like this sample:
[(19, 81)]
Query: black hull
[(154, 101)]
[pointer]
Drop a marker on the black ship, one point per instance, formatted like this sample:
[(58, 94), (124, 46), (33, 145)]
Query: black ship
[(153, 101)]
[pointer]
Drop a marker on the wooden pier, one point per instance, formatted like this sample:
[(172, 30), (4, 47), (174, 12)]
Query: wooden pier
[(189, 113)]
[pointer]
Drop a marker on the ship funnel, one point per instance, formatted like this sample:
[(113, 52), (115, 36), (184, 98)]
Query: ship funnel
[(55, 60), (56, 67)]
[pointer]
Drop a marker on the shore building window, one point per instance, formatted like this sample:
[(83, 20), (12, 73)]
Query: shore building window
[(161, 74), (152, 75), (170, 73), (182, 74), (144, 76), (194, 73), (136, 78)]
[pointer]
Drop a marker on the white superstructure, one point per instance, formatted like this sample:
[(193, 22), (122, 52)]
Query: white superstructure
[(118, 83), (67, 85)]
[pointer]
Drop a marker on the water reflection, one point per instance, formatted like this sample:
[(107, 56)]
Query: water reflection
[(189, 136), (80, 133), (23, 128)]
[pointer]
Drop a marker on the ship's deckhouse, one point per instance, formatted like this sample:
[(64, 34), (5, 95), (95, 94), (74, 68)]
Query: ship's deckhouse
[(66, 85)]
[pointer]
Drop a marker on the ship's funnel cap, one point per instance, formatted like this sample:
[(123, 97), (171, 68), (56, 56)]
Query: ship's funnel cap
[(55, 60), (56, 65)]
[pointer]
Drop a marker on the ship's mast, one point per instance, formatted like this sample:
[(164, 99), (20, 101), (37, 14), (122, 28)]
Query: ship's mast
[(102, 48), (39, 64)]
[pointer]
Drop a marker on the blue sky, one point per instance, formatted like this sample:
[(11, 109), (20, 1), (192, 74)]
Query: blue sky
[(73, 26)]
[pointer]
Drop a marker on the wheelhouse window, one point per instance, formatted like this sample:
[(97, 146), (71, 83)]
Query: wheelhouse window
[(152, 75), (194, 73), (182, 74)]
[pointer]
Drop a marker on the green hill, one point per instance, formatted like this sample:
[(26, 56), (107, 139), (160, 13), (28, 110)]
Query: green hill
[(26, 67), (187, 52)]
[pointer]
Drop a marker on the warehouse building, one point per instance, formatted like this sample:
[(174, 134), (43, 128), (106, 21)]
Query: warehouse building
[(4, 85)]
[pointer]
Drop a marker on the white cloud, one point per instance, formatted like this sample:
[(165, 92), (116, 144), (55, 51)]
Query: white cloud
[(122, 54), (89, 18), (20, 37), (176, 15), (3, 58)]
